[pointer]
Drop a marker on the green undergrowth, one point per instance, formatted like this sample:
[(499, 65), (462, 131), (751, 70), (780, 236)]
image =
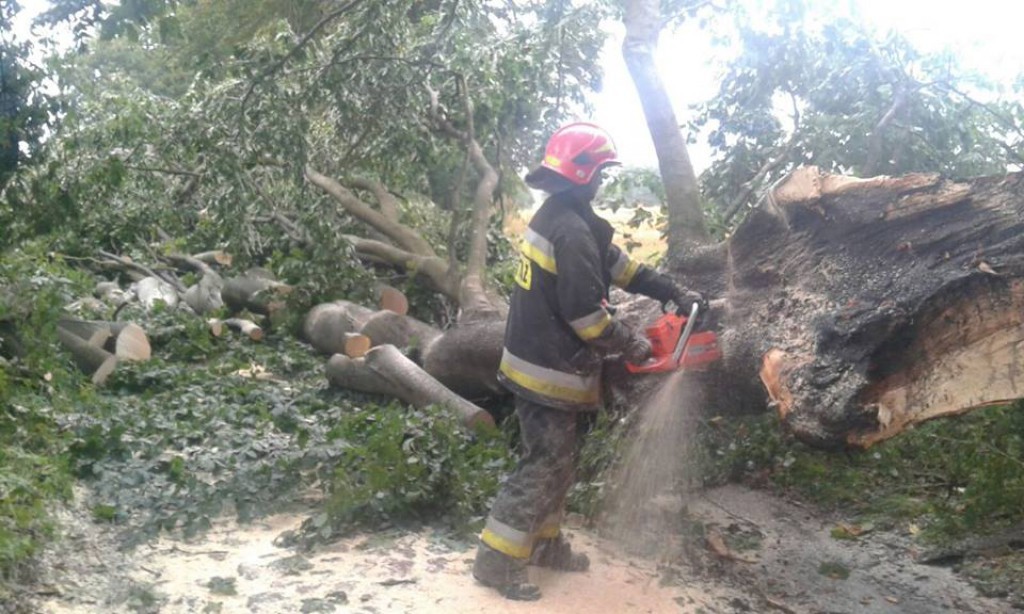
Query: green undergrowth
[(947, 478), (208, 427)]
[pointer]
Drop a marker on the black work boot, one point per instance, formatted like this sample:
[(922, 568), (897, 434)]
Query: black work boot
[(556, 553), (504, 573)]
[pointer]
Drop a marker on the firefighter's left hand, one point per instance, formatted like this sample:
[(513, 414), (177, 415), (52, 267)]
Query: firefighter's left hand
[(684, 299), (638, 351)]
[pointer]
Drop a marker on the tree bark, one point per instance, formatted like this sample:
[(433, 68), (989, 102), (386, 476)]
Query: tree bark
[(866, 306), (385, 370), (95, 362), (685, 220), (255, 293), (246, 327), (326, 325)]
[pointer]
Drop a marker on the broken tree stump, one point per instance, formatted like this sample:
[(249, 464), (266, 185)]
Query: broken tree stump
[(868, 305)]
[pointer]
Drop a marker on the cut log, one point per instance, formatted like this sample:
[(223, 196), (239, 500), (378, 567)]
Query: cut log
[(385, 370), (869, 305), (390, 328), (326, 325), (95, 362), (255, 292), (94, 333), (466, 358), (246, 327), (216, 327), (152, 290)]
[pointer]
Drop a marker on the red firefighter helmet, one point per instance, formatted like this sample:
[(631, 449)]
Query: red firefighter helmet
[(577, 151)]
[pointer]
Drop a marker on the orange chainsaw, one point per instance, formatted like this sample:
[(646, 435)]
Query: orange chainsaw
[(675, 345)]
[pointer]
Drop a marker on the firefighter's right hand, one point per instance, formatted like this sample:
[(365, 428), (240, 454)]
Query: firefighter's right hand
[(638, 351)]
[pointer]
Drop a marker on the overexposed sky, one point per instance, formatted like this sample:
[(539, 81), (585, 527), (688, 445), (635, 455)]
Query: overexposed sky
[(984, 34)]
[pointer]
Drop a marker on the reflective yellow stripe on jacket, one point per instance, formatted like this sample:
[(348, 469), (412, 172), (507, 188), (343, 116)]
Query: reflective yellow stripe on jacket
[(592, 325), (539, 250), (550, 383), (624, 270)]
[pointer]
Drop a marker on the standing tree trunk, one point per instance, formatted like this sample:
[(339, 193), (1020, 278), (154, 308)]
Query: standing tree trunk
[(686, 229)]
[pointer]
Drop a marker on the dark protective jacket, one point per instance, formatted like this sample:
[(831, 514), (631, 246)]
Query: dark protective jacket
[(558, 327)]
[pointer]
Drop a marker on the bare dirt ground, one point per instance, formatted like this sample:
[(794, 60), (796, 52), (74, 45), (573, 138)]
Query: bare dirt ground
[(785, 560)]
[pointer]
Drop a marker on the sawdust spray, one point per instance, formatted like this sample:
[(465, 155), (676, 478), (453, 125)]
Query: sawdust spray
[(645, 506)]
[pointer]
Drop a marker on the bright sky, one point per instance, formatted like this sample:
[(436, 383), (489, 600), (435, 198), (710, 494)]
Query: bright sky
[(985, 34)]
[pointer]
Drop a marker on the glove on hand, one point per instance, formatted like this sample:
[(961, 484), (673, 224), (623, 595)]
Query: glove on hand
[(684, 299), (638, 350)]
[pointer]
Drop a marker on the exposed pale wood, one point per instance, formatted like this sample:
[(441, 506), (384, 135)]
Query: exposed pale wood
[(327, 324), (246, 327), (217, 256), (392, 299), (356, 345), (94, 333), (868, 305), (95, 362), (129, 342), (215, 326)]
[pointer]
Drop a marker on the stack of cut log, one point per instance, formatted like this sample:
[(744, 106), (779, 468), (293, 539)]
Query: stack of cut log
[(391, 353)]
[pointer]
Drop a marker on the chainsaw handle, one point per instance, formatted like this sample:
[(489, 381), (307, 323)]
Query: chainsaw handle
[(680, 310)]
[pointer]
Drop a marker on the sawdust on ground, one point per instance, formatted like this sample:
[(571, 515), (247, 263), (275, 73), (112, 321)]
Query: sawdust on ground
[(423, 572)]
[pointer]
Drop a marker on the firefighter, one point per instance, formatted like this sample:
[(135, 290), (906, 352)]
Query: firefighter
[(559, 330)]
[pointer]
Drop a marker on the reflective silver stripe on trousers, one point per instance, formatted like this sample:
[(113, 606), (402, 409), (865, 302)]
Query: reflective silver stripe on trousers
[(582, 383), (507, 533)]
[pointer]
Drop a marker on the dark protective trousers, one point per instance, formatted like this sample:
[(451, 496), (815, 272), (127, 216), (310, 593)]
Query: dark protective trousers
[(530, 504)]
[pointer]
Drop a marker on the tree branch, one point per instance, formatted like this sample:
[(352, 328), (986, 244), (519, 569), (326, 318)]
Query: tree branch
[(404, 236), (473, 295), (433, 268), (388, 203)]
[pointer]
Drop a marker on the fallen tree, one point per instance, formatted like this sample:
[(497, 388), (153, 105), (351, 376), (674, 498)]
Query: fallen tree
[(865, 306)]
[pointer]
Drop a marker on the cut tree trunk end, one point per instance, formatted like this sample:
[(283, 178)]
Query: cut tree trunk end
[(870, 305), (385, 370), (327, 325)]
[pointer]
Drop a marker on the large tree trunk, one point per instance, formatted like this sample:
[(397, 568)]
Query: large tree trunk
[(685, 220), (866, 306)]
